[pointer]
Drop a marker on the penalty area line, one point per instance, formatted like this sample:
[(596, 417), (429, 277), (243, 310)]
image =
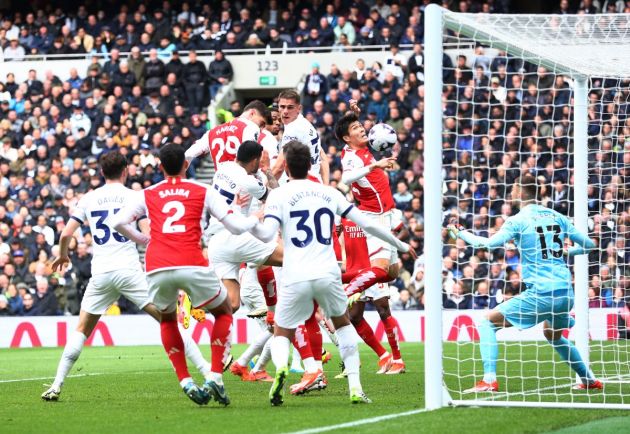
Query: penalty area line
[(360, 422), (18, 380)]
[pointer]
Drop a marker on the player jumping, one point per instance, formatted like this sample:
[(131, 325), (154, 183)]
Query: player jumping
[(306, 212), (175, 208), (539, 233)]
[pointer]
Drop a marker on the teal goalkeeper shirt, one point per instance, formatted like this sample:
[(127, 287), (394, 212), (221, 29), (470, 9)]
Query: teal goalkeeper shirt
[(539, 235)]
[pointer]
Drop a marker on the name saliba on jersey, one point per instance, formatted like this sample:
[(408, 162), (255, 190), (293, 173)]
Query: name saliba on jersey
[(174, 192)]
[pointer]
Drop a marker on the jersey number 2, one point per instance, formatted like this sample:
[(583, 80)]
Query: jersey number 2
[(556, 253), (169, 226)]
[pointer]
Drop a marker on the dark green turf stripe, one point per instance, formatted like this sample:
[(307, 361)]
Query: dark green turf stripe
[(607, 425)]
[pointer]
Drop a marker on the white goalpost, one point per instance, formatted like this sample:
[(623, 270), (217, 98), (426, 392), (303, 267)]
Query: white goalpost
[(547, 94)]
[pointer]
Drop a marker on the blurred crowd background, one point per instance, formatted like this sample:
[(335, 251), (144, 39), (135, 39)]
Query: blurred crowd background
[(145, 87)]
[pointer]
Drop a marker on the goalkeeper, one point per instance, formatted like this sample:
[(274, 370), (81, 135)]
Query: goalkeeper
[(539, 234)]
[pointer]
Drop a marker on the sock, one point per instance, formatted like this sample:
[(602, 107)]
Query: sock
[(193, 353), (570, 354), (267, 282), (367, 334), (70, 354), (264, 357), (301, 343), (349, 275), (489, 350), (280, 347), (296, 360), (315, 339), (365, 279), (255, 348), (348, 348), (174, 346), (220, 341), (329, 331), (391, 331)]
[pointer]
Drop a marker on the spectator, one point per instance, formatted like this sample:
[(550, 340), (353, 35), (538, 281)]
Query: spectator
[(153, 72), (346, 28), (136, 65), (220, 73), (194, 76), (14, 51), (315, 86), (405, 301)]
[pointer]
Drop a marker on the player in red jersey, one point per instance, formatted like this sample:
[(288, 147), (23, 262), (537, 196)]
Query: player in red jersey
[(175, 208), (370, 187), (357, 258), (223, 141)]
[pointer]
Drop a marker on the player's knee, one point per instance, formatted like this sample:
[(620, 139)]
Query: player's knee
[(355, 319), (393, 271), (235, 306)]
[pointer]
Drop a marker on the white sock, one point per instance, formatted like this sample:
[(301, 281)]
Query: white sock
[(193, 353), (348, 339), (255, 348), (70, 354), (264, 357), (185, 381), (296, 360), (320, 365), (280, 347), (309, 364), (216, 377)]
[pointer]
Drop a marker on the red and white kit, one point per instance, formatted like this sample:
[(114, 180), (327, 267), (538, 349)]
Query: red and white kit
[(223, 141), (372, 192)]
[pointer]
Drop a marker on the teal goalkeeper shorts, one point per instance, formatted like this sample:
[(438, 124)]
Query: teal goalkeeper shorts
[(531, 308)]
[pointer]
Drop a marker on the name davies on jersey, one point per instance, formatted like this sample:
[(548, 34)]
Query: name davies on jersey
[(174, 192), (111, 199), (306, 194)]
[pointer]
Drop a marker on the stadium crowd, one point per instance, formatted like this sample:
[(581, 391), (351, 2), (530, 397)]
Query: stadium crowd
[(501, 116)]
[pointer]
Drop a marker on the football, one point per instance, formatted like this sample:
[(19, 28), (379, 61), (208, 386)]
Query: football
[(382, 137)]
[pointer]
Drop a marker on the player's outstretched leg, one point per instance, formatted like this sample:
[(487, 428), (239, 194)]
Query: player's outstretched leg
[(174, 347), (71, 353), (489, 354), (280, 347), (220, 345), (349, 350), (367, 334), (570, 354)]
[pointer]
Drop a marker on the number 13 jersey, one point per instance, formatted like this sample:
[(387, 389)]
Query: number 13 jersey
[(176, 208), (111, 251), (306, 211)]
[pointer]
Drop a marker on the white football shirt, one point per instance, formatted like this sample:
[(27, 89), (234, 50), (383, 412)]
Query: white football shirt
[(237, 188), (111, 251), (306, 211), (303, 131)]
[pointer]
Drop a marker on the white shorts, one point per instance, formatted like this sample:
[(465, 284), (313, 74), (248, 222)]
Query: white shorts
[(200, 283), (251, 292), (377, 248), (375, 292), (295, 301), (229, 251), (104, 289)]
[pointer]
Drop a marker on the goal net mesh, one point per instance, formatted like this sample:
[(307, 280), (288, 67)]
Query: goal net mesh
[(508, 108)]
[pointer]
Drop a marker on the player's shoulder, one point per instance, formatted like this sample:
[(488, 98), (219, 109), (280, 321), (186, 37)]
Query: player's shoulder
[(195, 184), (155, 186)]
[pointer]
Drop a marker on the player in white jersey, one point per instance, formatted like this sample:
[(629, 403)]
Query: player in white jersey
[(305, 211), (237, 183), (116, 268), (297, 128)]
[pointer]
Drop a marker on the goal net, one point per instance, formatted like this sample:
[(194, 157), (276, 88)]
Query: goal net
[(507, 95)]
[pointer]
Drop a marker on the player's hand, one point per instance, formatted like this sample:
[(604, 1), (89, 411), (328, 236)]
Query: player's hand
[(59, 263), (453, 230), (354, 106), (265, 162), (412, 252), (385, 163)]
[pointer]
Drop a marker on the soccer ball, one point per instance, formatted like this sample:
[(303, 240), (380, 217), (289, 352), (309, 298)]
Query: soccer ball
[(382, 137)]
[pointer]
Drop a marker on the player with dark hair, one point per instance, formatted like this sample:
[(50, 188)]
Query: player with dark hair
[(305, 211), (539, 233), (116, 268), (175, 208)]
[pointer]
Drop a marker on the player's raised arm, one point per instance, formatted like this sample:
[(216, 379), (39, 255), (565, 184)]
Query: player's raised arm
[(366, 224), (505, 234), (351, 175), (324, 168), (199, 148), (122, 221)]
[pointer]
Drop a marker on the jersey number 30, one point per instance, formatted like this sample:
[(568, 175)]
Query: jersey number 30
[(169, 226), (301, 226)]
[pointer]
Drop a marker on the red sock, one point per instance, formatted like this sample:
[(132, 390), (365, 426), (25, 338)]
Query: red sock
[(391, 329), (367, 334), (268, 283), (301, 342), (367, 278), (174, 346), (314, 336), (349, 275), (220, 341)]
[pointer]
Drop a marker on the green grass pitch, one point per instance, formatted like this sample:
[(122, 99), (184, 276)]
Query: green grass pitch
[(134, 390)]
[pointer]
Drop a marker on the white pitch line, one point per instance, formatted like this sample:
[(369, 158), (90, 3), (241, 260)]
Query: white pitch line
[(360, 422), (18, 380)]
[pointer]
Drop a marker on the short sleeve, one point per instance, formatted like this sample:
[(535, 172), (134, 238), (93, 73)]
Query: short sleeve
[(251, 132), (254, 187), (273, 206), (79, 214), (216, 205), (200, 147)]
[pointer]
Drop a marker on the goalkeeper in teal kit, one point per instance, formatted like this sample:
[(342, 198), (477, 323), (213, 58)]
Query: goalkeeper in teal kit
[(539, 234)]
